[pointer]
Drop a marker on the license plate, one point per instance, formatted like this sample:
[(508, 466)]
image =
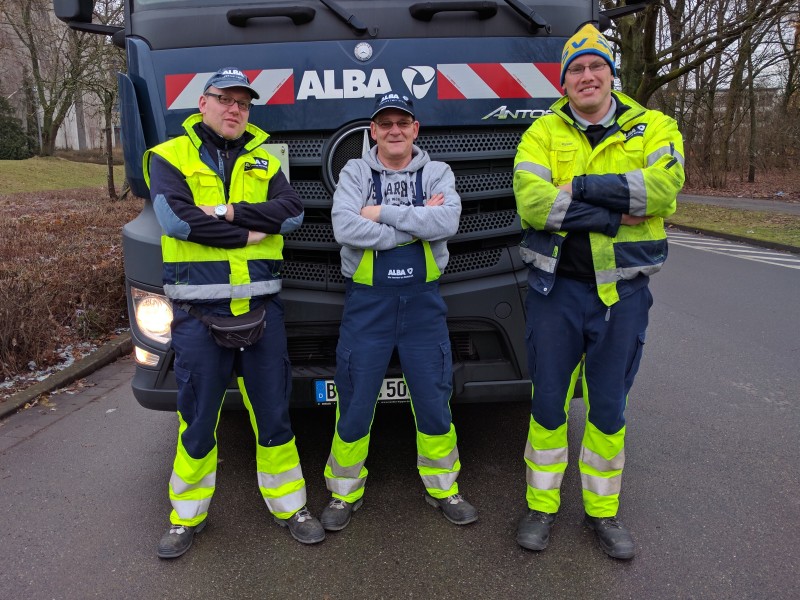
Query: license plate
[(394, 389)]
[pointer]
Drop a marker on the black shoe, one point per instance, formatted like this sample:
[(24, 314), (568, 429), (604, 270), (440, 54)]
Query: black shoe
[(614, 537), (178, 539), (303, 527), (533, 531), (454, 508), (336, 515)]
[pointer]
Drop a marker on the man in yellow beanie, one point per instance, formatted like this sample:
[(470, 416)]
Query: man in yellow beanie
[(593, 182)]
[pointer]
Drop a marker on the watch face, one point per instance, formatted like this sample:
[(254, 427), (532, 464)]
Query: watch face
[(221, 210)]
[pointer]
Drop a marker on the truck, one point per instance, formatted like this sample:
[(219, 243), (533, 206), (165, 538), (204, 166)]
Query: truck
[(479, 73)]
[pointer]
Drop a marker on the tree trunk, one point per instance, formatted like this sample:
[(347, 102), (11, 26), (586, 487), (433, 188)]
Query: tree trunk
[(751, 142), (112, 190)]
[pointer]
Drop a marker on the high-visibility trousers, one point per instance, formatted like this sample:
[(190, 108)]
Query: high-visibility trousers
[(571, 333), (377, 320), (203, 371)]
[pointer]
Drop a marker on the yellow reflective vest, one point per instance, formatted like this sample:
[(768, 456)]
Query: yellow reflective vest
[(197, 272), (636, 170)]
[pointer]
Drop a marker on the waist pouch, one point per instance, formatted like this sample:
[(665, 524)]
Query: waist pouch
[(232, 332)]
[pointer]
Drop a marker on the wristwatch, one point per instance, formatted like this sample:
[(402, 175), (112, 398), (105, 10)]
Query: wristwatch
[(220, 210)]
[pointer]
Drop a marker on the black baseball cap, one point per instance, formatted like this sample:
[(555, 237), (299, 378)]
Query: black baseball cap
[(230, 77), (394, 100)]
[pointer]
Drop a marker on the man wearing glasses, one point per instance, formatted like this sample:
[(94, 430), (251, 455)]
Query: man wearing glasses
[(593, 182), (224, 205), (393, 212)]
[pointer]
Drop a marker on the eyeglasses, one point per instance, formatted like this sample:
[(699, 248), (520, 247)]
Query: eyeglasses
[(228, 101), (387, 125), (594, 68)]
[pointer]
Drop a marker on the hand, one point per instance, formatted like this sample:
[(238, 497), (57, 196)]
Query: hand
[(373, 213), (567, 187), (435, 200), (631, 220), (253, 237)]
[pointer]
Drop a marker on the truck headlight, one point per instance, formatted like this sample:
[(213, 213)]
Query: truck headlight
[(153, 314)]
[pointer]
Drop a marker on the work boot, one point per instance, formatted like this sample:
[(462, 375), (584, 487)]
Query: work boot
[(533, 531), (614, 537), (303, 527), (178, 539), (336, 516), (454, 508)]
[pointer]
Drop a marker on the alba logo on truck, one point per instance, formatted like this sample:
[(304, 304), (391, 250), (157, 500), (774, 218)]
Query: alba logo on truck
[(355, 84)]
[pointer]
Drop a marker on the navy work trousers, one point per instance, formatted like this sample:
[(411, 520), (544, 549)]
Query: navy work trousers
[(376, 320), (203, 371), (572, 322)]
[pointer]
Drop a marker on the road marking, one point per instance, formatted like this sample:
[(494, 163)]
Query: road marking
[(735, 249)]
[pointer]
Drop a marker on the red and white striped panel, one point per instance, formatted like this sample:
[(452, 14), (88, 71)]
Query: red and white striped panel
[(275, 86), (498, 80)]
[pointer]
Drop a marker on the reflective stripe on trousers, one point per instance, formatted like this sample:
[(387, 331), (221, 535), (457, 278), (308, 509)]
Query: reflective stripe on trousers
[(345, 473), (601, 474)]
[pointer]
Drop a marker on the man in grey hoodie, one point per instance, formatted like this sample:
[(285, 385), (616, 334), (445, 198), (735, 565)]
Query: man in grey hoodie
[(393, 211)]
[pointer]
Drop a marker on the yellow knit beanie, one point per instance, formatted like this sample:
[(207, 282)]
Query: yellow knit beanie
[(588, 40)]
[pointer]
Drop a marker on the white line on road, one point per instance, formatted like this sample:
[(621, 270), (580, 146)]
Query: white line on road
[(735, 249)]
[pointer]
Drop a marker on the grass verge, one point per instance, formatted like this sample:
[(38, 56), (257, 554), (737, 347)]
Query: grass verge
[(755, 225), (50, 173)]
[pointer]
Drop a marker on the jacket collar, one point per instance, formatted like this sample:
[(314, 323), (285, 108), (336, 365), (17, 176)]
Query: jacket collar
[(259, 136)]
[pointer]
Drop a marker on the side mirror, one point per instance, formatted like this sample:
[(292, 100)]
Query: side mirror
[(74, 10)]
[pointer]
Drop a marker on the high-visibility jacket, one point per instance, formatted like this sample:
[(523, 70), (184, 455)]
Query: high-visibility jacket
[(198, 272), (636, 170)]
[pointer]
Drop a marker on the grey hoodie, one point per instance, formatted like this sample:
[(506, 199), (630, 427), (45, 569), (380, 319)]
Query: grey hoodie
[(400, 221)]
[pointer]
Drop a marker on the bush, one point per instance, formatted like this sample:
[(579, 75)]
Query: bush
[(61, 274), (14, 140)]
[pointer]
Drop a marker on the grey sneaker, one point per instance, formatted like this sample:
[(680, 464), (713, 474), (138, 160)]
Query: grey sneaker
[(178, 539), (303, 527), (533, 531), (454, 508), (336, 516), (615, 539)]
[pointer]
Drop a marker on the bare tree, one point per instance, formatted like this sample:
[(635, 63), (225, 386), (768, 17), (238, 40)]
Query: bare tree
[(100, 79), (674, 37), (55, 58)]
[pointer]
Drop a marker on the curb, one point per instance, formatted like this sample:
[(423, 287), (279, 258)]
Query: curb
[(734, 238), (106, 354)]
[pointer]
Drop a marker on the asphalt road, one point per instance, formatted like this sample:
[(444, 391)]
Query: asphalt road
[(710, 486)]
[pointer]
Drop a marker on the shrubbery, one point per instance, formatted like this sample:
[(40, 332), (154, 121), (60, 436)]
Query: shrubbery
[(14, 142), (61, 275)]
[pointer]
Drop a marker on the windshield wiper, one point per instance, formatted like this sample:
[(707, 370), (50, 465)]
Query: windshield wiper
[(531, 16), (353, 21)]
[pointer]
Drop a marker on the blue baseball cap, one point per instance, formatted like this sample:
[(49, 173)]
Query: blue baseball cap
[(393, 100), (230, 77)]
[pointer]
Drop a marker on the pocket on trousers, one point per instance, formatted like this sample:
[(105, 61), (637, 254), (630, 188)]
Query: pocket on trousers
[(187, 399), (531, 348), (287, 366), (343, 376), (633, 368), (447, 363)]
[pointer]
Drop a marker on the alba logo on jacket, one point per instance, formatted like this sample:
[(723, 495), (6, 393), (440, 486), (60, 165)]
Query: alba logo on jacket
[(636, 131), (406, 273), (260, 163)]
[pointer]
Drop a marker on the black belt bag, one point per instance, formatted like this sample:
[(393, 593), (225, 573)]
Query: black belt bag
[(232, 332)]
